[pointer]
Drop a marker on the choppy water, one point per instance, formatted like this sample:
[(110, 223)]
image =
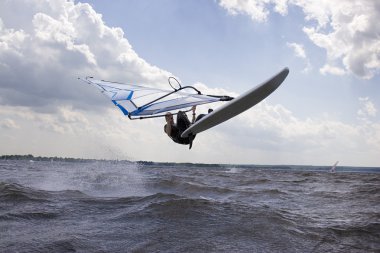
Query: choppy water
[(129, 207)]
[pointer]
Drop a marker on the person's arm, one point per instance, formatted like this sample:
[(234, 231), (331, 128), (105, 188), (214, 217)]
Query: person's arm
[(169, 124), (168, 129), (193, 109)]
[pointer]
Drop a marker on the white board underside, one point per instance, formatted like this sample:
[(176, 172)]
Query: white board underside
[(237, 105)]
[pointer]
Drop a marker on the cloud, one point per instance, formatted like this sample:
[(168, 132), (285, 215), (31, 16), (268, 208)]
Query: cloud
[(46, 45), (75, 133), (299, 52), (328, 69), (275, 131), (9, 124), (42, 57), (367, 109), (348, 30), (256, 9), (264, 133)]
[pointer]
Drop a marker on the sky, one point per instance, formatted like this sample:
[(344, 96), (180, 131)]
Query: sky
[(325, 111)]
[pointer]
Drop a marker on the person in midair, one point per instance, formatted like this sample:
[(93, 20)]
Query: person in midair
[(175, 130)]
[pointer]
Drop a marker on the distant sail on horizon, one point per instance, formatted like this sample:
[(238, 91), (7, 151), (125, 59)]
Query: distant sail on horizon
[(334, 167)]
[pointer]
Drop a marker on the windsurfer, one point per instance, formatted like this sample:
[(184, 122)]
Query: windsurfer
[(174, 131)]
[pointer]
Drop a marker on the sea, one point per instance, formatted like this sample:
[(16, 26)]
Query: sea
[(123, 206)]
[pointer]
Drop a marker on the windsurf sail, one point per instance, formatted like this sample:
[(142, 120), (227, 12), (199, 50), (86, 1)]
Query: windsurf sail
[(139, 102)]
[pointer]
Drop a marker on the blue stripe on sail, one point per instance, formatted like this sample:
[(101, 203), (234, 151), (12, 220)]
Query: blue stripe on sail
[(125, 112), (130, 96), (122, 109)]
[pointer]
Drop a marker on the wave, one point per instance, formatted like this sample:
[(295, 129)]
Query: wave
[(370, 228), (179, 185), (368, 190), (95, 179), (67, 244), (366, 238), (29, 216), (271, 192), (234, 170), (135, 200), (256, 181), (11, 192), (170, 206)]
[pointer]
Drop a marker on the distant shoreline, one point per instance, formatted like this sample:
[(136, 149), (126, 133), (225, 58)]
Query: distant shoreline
[(43, 158), (30, 157), (325, 168)]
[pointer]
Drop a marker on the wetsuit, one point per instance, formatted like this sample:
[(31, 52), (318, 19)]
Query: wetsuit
[(183, 123)]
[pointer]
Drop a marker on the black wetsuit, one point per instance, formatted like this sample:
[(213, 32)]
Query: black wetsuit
[(183, 123)]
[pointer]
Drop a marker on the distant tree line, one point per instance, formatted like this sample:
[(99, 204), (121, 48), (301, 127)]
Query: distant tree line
[(40, 158)]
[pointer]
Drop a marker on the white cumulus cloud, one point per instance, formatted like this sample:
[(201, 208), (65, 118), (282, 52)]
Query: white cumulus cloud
[(42, 57), (367, 109), (299, 51), (348, 30), (328, 69), (9, 124), (47, 44), (256, 9)]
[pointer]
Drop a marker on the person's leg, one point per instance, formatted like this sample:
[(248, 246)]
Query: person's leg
[(202, 115), (199, 117), (183, 121), (191, 139)]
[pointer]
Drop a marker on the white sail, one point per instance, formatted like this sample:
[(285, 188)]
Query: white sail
[(137, 101)]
